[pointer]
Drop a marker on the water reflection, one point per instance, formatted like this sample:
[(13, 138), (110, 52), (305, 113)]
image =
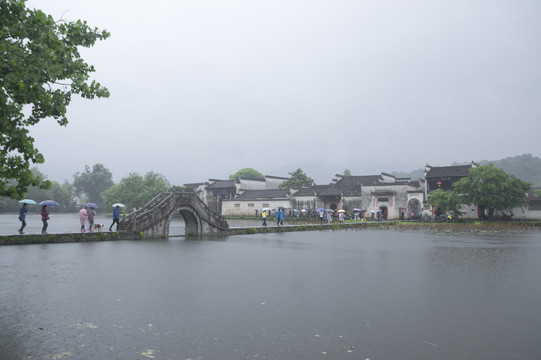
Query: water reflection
[(359, 294)]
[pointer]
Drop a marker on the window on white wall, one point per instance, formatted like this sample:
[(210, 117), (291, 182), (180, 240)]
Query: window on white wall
[(237, 205), (250, 205)]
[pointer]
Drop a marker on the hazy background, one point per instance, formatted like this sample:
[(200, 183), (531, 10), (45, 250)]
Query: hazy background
[(201, 89)]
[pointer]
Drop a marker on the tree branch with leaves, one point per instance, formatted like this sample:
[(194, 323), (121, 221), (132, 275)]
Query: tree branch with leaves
[(40, 69)]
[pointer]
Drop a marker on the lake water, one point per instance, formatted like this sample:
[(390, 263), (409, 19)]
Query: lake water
[(310, 295), (69, 222)]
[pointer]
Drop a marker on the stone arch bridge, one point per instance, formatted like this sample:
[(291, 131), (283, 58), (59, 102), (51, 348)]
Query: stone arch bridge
[(154, 218)]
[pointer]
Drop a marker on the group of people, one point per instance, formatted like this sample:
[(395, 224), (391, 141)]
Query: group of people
[(44, 218), (86, 213), (329, 213), (279, 215)]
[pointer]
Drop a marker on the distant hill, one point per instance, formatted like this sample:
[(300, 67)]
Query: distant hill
[(414, 174), (525, 167)]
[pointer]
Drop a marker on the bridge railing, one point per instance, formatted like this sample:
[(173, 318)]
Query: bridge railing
[(161, 206), (146, 215), (210, 216)]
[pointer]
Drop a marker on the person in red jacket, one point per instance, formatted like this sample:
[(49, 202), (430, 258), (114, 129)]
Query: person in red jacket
[(44, 218)]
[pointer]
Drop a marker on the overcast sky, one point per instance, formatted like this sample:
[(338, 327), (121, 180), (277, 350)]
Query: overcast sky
[(201, 89)]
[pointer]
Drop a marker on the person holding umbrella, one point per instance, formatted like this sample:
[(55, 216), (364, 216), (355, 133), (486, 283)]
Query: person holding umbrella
[(22, 218), (329, 216), (341, 216), (91, 213), (83, 214), (116, 218), (44, 218)]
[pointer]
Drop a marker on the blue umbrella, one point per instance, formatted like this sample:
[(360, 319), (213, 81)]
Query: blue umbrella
[(28, 201), (48, 203), (91, 205), (320, 210)]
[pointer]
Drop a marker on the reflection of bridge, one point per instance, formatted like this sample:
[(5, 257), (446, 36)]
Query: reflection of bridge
[(154, 218)]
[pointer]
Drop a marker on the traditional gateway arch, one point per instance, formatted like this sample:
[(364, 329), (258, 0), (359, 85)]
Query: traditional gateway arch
[(154, 218)]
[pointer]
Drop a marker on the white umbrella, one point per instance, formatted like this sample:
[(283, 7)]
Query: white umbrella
[(119, 204), (28, 201), (48, 203)]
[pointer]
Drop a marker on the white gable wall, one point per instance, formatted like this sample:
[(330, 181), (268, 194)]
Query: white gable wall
[(247, 207)]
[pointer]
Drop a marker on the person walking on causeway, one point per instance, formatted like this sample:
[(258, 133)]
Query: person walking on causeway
[(44, 218), (280, 216), (22, 218), (91, 213), (116, 218), (83, 214)]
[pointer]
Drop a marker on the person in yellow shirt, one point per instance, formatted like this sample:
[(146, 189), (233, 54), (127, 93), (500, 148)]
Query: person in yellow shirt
[(264, 216)]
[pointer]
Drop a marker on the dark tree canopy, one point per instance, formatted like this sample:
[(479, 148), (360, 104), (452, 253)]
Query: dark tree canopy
[(40, 70), (92, 182), (247, 173), (61, 193), (135, 190), (447, 202), (492, 189), (297, 180)]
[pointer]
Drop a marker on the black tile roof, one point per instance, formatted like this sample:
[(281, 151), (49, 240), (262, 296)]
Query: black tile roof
[(359, 180), (446, 171), (329, 190), (250, 178), (220, 184), (264, 194), (383, 193)]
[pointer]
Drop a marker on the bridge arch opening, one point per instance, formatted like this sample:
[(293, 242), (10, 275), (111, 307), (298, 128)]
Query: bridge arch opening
[(183, 221), (176, 225)]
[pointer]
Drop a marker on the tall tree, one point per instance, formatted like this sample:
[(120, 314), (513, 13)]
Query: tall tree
[(40, 70), (135, 190), (492, 189), (347, 172), (297, 180), (92, 182), (247, 173), (447, 202)]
